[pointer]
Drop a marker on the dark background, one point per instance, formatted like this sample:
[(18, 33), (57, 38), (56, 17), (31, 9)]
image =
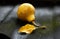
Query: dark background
[(36, 3)]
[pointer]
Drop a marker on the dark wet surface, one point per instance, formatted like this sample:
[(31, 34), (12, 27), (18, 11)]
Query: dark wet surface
[(50, 17)]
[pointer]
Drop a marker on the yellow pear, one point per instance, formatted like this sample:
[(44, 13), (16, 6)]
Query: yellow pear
[(28, 29), (26, 12)]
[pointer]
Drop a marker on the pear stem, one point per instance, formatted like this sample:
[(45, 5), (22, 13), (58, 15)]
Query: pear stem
[(34, 23), (38, 26)]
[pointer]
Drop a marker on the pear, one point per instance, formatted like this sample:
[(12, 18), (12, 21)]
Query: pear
[(26, 12), (28, 29)]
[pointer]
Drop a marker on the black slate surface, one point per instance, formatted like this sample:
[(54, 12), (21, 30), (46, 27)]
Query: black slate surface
[(9, 23)]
